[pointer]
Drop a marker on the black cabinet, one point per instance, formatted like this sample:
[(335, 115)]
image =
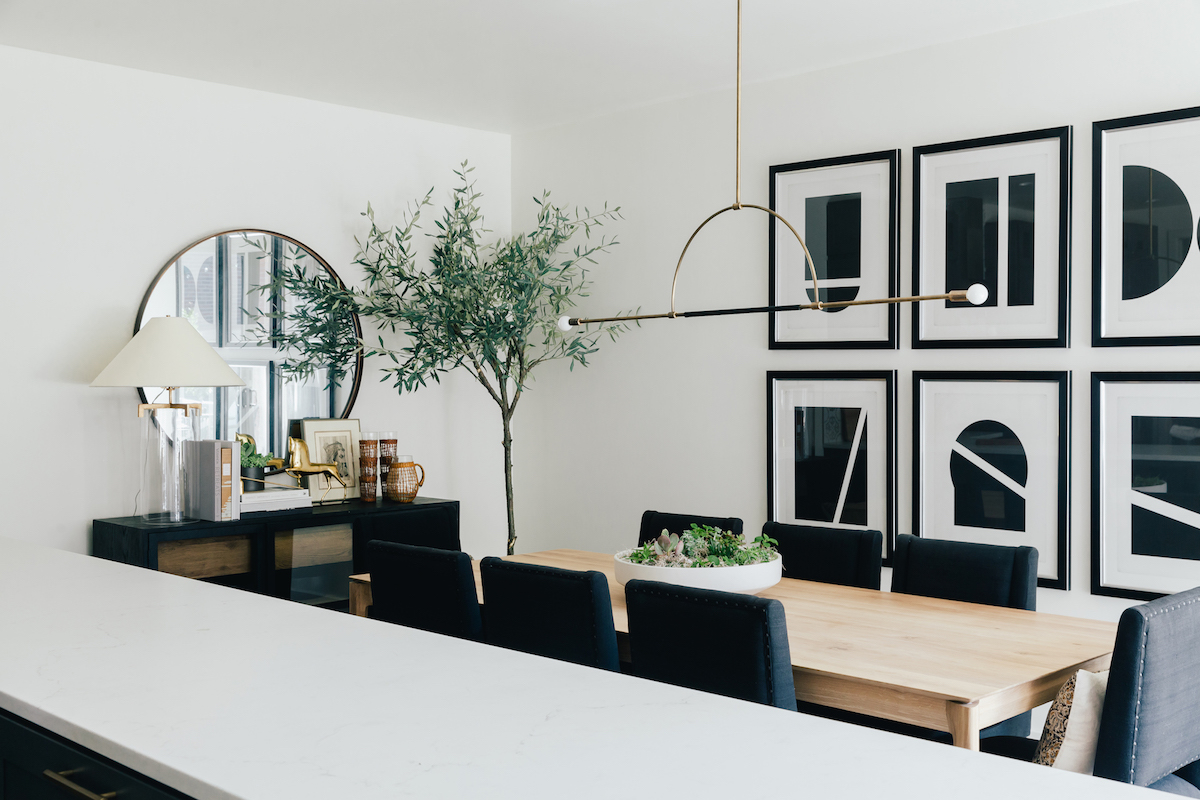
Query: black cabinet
[(306, 555), (36, 764)]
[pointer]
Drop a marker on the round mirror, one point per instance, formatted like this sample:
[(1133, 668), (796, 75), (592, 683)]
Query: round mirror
[(231, 288)]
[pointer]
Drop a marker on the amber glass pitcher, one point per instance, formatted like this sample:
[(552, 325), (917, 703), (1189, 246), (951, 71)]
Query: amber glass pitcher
[(402, 481)]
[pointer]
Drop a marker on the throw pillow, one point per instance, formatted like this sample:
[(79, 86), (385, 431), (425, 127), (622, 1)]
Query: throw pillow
[(1073, 724)]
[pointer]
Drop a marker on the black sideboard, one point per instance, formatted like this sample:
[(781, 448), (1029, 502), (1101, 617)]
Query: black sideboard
[(305, 555)]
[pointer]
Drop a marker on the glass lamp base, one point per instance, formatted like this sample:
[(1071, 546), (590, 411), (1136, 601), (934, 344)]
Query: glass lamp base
[(164, 434)]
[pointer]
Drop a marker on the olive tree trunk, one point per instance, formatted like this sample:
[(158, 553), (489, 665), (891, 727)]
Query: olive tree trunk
[(508, 483)]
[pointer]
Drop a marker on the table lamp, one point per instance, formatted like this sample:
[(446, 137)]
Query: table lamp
[(168, 352)]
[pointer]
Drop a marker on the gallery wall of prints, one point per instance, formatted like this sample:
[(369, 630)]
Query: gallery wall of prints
[(989, 448)]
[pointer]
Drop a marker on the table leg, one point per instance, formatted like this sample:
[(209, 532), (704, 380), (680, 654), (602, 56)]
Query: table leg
[(964, 724), (360, 598)]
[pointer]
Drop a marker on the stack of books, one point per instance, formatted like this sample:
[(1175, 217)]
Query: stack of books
[(211, 490), (275, 499)]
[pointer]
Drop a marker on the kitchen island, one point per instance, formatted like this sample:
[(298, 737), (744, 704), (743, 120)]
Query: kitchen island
[(218, 693)]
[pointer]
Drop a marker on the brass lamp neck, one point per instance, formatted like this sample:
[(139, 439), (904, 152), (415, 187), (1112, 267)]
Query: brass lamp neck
[(186, 408)]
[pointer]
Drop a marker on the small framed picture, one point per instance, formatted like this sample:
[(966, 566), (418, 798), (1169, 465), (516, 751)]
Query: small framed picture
[(990, 462), (1145, 202), (996, 212), (332, 441), (831, 450), (846, 210), (1145, 483)]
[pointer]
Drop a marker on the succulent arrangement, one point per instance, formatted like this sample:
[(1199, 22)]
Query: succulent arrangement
[(252, 459), (703, 546)]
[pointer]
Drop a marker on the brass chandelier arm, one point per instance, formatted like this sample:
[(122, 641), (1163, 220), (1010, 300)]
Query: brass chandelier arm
[(956, 296), (808, 260)]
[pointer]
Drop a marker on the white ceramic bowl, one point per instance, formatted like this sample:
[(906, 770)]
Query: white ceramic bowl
[(747, 579)]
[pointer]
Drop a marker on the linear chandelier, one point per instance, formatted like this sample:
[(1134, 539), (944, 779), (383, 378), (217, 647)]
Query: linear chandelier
[(976, 295)]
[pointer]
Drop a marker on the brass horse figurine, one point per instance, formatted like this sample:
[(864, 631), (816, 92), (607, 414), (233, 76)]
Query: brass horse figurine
[(301, 464)]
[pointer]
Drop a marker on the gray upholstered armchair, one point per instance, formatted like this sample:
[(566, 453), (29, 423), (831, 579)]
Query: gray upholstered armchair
[(1150, 726)]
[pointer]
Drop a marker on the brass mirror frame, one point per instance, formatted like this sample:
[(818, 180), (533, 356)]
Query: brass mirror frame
[(358, 360)]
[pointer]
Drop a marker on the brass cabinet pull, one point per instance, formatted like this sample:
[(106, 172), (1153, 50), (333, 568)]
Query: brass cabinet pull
[(61, 779)]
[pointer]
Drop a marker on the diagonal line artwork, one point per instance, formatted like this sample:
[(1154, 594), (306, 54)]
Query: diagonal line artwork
[(831, 474)]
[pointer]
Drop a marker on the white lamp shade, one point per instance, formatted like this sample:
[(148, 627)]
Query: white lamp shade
[(168, 351)]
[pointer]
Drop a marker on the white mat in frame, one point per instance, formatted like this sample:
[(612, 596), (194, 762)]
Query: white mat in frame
[(850, 416), (1033, 316), (1145, 470), (866, 234), (1145, 202), (332, 441), (991, 463)]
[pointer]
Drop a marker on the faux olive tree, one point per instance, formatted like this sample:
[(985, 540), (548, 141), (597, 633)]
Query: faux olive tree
[(491, 309)]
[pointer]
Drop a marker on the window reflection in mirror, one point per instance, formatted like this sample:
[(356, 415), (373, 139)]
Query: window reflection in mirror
[(222, 286)]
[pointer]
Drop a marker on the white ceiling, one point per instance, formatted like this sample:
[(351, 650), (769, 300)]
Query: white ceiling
[(501, 65)]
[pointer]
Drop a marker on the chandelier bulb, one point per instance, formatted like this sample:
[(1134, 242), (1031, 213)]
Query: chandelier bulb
[(977, 294), (564, 323)]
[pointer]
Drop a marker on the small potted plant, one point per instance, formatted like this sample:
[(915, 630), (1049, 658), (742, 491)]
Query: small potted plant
[(253, 468), (706, 558)]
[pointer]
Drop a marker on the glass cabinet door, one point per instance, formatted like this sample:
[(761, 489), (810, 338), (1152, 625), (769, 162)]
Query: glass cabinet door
[(313, 565)]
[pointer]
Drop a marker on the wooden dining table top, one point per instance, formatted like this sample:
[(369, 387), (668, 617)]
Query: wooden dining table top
[(950, 650)]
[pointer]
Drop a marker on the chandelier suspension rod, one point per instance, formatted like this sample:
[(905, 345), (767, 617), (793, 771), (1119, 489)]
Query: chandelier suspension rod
[(737, 180)]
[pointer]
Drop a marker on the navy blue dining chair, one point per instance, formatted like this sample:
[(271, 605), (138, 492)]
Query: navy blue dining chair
[(424, 587), (655, 522), (988, 574), (1150, 724), (720, 642), (963, 571), (557, 613), (829, 555), (973, 573), (424, 526)]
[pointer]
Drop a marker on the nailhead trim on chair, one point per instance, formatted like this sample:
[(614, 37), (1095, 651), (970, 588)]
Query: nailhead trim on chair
[(1138, 703)]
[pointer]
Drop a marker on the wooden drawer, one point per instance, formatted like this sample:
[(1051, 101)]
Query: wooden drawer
[(307, 547), (210, 557), (29, 754)]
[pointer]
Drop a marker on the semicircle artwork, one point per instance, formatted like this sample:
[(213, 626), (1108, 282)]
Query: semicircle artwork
[(1156, 231)]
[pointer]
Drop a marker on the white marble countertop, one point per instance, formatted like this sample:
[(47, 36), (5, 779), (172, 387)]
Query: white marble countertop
[(225, 694)]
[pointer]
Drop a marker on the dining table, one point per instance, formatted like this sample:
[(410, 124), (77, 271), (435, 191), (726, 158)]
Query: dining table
[(941, 664)]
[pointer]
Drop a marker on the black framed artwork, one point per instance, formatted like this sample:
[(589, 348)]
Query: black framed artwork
[(831, 450), (1145, 203), (990, 462), (1145, 483), (846, 210), (994, 211)]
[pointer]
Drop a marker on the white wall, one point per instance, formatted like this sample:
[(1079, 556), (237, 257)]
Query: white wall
[(105, 172), (673, 416)]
